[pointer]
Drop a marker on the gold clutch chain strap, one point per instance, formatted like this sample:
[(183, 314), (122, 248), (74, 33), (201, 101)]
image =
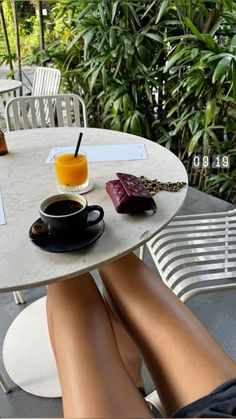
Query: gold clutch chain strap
[(154, 186)]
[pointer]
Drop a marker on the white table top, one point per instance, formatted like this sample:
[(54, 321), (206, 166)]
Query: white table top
[(7, 85), (25, 181)]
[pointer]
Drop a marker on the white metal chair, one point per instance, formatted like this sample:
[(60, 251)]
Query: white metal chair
[(155, 405), (46, 81), (25, 112), (3, 384), (196, 254), (18, 296)]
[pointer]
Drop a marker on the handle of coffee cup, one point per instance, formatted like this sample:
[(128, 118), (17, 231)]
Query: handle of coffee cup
[(97, 208)]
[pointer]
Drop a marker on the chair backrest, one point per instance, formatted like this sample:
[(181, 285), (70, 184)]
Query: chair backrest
[(64, 110), (195, 254), (46, 81)]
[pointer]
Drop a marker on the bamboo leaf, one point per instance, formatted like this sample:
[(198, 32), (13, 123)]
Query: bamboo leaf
[(127, 124), (215, 140), (193, 28), (221, 68), (88, 36), (148, 9), (234, 78), (102, 14), (126, 101), (194, 53), (112, 37), (148, 91), (116, 106), (162, 10), (73, 42), (181, 37), (221, 55), (95, 73), (216, 26), (85, 11), (145, 55), (209, 41), (134, 14), (194, 141), (224, 186), (114, 10), (233, 43), (118, 66), (135, 123), (210, 112), (153, 36), (175, 57), (205, 145)]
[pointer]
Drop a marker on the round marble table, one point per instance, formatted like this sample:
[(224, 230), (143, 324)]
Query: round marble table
[(26, 180), (8, 85)]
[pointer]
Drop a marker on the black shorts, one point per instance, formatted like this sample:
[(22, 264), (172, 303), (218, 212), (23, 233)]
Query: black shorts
[(220, 403)]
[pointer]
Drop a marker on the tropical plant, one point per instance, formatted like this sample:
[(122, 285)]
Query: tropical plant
[(113, 53), (200, 86)]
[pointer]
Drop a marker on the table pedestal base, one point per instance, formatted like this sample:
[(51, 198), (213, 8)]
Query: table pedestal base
[(27, 353)]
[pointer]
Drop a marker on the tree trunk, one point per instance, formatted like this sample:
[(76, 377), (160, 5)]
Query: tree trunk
[(17, 41), (4, 29), (41, 26)]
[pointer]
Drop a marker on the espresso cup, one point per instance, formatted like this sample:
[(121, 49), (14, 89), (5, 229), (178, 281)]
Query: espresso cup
[(67, 214)]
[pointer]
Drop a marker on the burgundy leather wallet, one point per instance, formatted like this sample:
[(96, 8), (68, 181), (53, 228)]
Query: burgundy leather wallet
[(129, 195)]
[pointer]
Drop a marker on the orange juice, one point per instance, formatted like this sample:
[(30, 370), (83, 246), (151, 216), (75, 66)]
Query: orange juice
[(72, 171)]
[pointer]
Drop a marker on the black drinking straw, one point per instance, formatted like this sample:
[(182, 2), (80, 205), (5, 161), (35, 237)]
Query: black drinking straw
[(78, 144)]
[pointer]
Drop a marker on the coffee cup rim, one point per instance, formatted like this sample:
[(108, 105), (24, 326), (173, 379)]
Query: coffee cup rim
[(61, 197)]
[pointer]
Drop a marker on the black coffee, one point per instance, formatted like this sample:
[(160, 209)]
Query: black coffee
[(63, 207)]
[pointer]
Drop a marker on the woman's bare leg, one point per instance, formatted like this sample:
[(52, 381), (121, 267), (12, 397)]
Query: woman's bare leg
[(94, 381), (185, 361), (129, 352)]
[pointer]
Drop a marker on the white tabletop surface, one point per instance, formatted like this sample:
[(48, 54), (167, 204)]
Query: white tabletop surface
[(25, 181), (7, 85)]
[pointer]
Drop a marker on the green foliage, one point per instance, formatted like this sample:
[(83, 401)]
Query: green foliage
[(112, 52), (28, 31), (200, 102)]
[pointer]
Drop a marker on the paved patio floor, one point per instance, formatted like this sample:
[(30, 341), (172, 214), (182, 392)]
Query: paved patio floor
[(216, 311)]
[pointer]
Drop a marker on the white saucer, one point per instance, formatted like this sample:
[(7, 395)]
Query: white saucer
[(85, 190), (89, 187)]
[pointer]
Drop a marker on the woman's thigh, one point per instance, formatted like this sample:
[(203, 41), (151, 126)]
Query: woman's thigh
[(185, 361), (94, 381)]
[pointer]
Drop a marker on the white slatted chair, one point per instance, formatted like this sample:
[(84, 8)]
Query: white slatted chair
[(155, 405), (46, 81), (196, 254), (64, 110), (18, 296), (3, 384)]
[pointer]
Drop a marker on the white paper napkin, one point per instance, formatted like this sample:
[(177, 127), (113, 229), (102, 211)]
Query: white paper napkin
[(113, 152)]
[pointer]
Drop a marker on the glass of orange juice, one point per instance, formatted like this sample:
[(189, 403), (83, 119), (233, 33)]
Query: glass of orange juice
[(72, 172)]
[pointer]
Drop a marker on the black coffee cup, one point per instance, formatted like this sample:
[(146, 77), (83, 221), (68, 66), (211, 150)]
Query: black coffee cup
[(67, 214)]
